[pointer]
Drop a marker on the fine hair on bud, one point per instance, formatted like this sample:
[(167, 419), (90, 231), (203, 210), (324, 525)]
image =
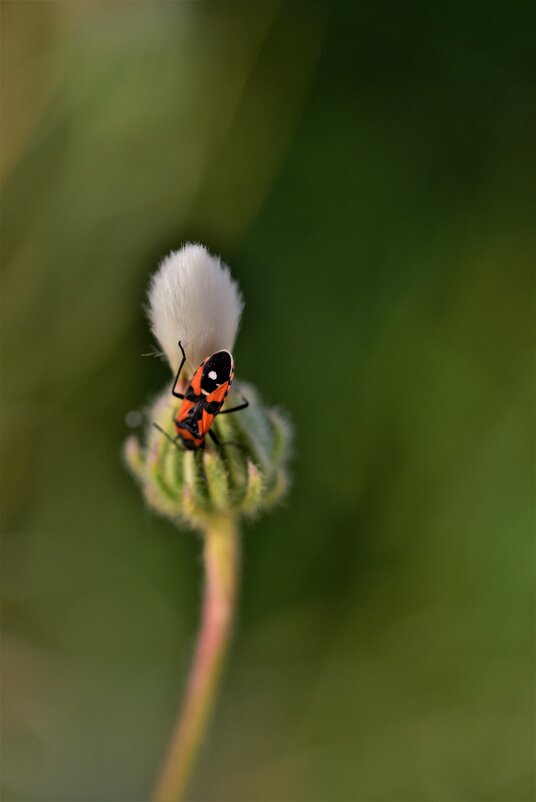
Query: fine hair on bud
[(192, 298)]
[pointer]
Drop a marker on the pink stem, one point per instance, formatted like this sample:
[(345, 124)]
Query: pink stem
[(221, 558)]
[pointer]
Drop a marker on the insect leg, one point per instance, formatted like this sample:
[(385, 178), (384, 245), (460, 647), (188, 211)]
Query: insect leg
[(179, 395), (236, 409), (215, 439), (198, 460)]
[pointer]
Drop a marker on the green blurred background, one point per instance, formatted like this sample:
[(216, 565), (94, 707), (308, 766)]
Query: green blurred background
[(367, 171)]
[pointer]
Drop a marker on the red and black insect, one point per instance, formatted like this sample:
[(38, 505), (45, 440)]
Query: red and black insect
[(203, 399)]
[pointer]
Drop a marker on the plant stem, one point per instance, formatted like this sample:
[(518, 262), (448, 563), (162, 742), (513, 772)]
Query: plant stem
[(221, 560)]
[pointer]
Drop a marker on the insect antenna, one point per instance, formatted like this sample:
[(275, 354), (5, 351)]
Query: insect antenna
[(171, 439)]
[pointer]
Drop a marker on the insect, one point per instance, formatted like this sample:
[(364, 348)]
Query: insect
[(203, 399)]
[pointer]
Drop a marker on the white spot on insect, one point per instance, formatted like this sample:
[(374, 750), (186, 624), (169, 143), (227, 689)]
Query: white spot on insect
[(213, 375)]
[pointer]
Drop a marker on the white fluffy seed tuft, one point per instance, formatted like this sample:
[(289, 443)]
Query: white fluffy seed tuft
[(192, 298)]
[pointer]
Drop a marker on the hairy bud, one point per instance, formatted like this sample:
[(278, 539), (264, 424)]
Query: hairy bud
[(193, 298), (247, 474)]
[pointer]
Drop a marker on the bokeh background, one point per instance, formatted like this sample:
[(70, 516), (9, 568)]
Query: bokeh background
[(367, 169)]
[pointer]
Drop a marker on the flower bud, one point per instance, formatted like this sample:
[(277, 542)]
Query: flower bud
[(194, 300), (247, 474)]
